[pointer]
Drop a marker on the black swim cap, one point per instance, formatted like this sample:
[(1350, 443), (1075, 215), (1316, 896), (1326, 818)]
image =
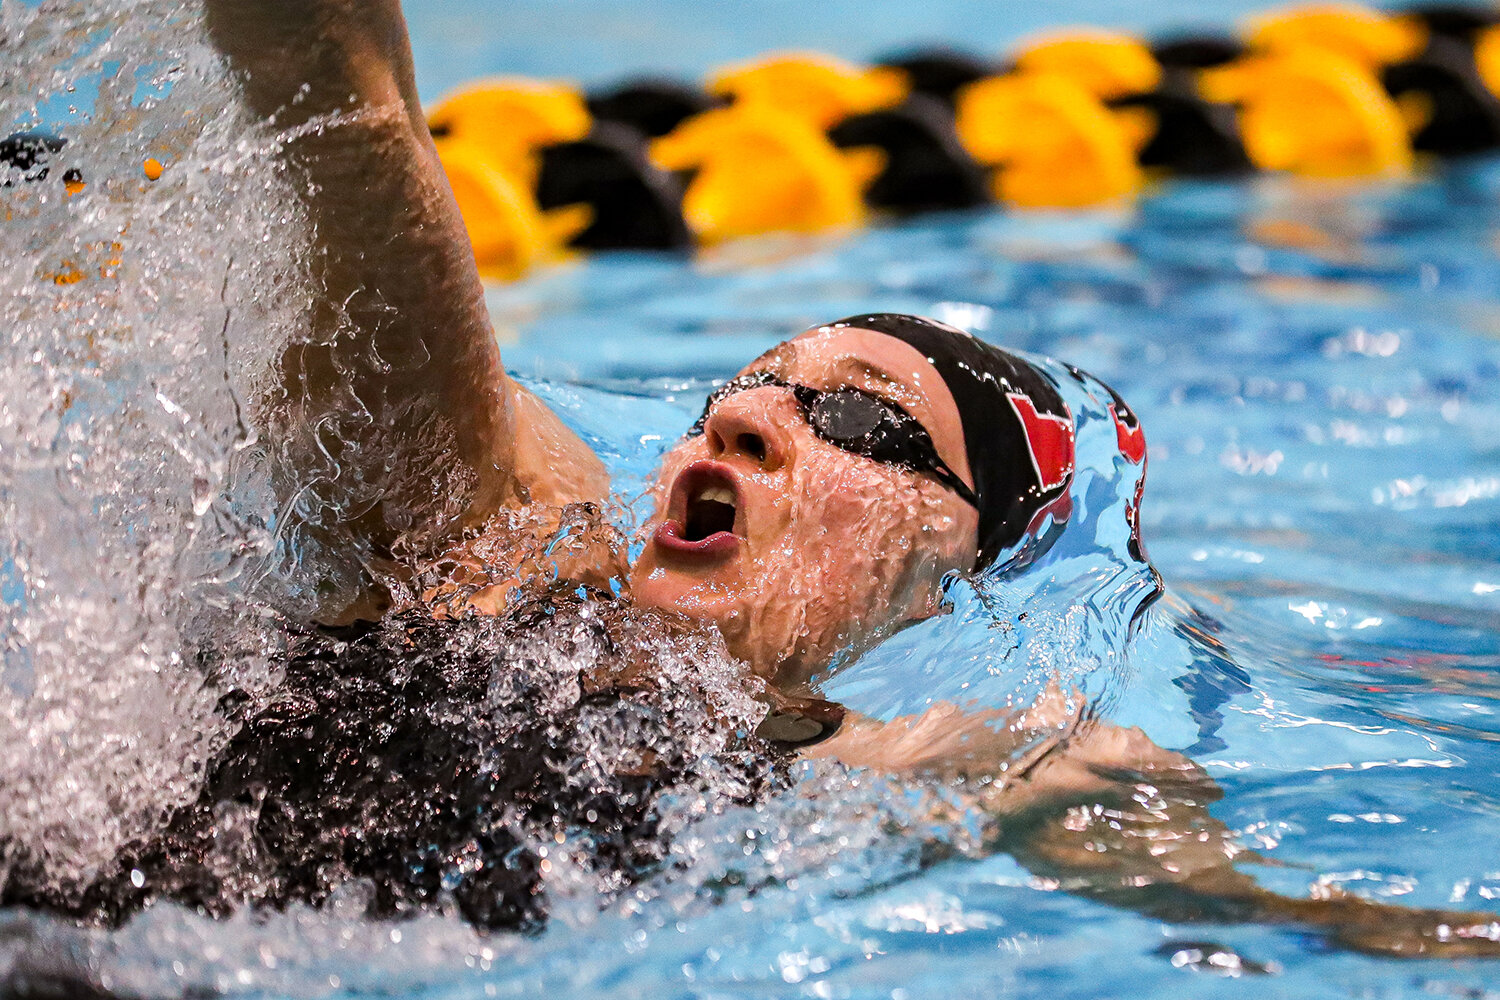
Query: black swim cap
[(1018, 432)]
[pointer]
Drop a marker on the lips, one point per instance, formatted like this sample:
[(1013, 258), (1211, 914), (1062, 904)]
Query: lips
[(702, 513)]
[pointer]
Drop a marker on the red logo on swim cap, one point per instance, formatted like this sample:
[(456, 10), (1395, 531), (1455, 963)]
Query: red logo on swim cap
[(1049, 438), (1128, 434)]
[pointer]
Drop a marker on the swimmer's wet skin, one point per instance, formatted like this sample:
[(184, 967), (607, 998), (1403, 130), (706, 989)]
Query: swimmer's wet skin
[(825, 503)]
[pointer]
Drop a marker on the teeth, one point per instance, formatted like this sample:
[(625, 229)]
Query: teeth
[(718, 494)]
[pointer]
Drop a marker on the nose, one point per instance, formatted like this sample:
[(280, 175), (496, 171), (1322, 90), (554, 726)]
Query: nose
[(751, 426)]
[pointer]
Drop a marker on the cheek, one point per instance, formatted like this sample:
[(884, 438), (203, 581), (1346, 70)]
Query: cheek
[(866, 547), (868, 515), (850, 546)]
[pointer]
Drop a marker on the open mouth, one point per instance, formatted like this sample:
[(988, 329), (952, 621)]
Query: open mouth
[(703, 511), (709, 513)]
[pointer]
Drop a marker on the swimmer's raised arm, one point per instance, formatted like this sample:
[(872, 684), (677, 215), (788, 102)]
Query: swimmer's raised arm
[(401, 375)]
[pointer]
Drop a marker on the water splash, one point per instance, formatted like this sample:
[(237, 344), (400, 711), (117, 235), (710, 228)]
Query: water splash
[(135, 521)]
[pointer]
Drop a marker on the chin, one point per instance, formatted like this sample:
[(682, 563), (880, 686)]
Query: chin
[(697, 593), (721, 599)]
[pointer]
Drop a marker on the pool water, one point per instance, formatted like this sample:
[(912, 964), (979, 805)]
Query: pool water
[(1318, 373), (1316, 370)]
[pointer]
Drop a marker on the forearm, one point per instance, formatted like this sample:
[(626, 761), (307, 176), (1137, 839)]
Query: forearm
[(401, 367), (1108, 814), (1144, 839), (1182, 869)]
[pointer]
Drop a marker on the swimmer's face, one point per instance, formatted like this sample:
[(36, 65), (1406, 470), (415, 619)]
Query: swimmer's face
[(797, 548)]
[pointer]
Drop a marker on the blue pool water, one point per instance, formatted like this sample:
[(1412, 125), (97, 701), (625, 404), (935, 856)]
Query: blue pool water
[(1317, 370), (1322, 496)]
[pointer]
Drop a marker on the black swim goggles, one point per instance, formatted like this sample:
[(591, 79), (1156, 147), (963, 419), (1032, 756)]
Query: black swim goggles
[(858, 422)]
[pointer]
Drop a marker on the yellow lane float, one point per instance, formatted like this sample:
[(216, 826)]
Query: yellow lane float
[(1368, 37), (1105, 63), (1487, 57), (758, 169), (1314, 112), (1053, 143), (817, 88), (507, 119)]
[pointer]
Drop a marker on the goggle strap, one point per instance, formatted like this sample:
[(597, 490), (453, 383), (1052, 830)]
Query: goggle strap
[(949, 478)]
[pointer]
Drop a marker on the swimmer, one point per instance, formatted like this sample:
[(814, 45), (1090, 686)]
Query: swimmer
[(817, 506)]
